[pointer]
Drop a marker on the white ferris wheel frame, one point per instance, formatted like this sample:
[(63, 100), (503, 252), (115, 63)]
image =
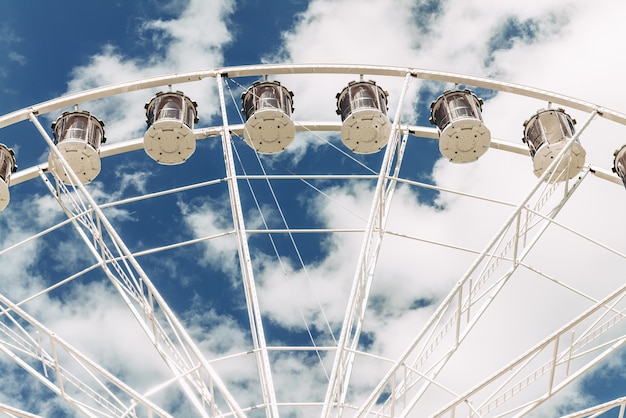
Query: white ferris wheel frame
[(194, 373)]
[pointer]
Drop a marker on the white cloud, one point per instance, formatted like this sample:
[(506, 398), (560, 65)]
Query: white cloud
[(351, 31), (539, 44), (17, 57), (188, 47), (534, 43), (210, 220), (191, 41), (8, 41)]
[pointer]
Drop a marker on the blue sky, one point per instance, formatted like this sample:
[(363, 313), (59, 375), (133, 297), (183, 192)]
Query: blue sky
[(303, 280)]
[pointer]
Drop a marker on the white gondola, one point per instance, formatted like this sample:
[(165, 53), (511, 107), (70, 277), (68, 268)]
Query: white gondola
[(267, 107), (363, 108), (77, 135), (619, 163), (7, 166), (463, 137), (545, 134), (169, 138)]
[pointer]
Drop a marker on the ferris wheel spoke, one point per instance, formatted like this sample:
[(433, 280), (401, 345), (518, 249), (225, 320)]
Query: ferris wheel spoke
[(366, 265), (11, 411), (450, 330), (600, 409), (553, 363), (254, 312), (159, 323), (472, 296), (50, 364), (477, 302)]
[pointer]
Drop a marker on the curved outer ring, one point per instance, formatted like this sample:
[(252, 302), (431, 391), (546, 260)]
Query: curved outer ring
[(271, 69)]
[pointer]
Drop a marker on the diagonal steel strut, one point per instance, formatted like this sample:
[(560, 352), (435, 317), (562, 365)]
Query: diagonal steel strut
[(438, 325), (169, 337), (254, 311), (366, 266)]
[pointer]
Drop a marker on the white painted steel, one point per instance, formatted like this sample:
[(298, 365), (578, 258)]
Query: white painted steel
[(245, 260), (5, 196), (438, 324), (184, 356), (414, 371), (339, 380), (464, 140), (169, 142)]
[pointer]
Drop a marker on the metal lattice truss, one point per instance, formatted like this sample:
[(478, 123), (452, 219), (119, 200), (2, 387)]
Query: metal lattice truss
[(535, 376)]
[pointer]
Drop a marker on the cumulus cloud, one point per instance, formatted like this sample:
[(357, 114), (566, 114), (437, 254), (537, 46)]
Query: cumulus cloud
[(208, 221), (529, 44), (9, 39), (192, 40), (17, 57), (433, 237), (73, 314)]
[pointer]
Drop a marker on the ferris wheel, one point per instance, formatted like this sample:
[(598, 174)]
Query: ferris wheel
[(397, 259)]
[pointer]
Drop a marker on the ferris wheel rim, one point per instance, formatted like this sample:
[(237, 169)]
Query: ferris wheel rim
[(125, 146), (72, 99)]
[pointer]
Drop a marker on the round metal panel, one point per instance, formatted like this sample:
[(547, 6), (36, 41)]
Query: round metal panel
[(366, 131), (81, 157), (269, 131), (465, 140), (569, 166), (169, 142)]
